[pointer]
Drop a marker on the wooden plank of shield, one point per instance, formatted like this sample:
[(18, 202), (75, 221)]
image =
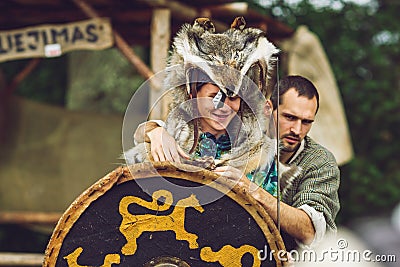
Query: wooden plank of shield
[(160, 214)]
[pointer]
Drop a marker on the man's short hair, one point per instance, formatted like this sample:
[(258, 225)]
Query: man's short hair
[(303, 86)]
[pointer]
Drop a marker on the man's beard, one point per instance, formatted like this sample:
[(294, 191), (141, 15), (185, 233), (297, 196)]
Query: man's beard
[(289, 148)]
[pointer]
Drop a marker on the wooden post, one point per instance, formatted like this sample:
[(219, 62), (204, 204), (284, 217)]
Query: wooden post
[(160, 40), (29, 217), (3, 107), (119, 42)]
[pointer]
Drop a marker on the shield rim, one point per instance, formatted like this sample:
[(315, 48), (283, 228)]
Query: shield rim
[(124, 174)]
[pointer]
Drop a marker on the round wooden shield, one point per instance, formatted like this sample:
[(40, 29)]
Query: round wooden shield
[(159, 214)]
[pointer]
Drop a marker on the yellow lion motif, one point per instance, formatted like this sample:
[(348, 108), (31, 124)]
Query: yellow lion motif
[(132, 226)]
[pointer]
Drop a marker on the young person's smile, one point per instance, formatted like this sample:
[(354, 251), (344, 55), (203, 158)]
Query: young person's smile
[(221, 117), (215, 120)]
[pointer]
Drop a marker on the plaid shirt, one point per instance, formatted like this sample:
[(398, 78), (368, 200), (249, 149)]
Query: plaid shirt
[(318, 184)]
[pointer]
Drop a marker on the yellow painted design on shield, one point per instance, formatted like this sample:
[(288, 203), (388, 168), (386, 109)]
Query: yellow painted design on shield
[(132, 226), (72, 259), (229, 256)]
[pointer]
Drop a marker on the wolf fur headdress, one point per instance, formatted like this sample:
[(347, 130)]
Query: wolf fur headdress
[(238, 61)]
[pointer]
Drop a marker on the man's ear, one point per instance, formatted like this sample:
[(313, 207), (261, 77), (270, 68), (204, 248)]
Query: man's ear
[(268, 108)]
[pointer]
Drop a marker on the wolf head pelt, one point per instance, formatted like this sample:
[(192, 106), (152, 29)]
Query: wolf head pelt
[(238, 61), (225, 57)]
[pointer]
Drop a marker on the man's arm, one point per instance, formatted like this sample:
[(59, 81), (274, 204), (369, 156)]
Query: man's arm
[(294, 221)]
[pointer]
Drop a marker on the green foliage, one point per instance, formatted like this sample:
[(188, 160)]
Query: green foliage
[(368, 189), (46, 83), (362, 45), (101, 81)]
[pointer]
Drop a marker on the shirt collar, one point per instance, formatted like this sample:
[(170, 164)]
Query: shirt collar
[(299, 150)]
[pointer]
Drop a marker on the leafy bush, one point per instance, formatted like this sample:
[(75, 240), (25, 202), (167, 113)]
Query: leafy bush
[(362, 45)]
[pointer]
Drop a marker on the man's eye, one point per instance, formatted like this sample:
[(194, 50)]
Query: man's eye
[(307, 122), (290, 117)]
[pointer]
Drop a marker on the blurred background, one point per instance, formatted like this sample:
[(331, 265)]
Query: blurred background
[(61, 117)]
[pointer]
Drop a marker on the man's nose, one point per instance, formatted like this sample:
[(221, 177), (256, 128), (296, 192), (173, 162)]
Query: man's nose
[(296, 127)]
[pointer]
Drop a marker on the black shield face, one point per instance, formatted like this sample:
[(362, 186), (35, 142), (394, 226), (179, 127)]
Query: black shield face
[(165, 220)]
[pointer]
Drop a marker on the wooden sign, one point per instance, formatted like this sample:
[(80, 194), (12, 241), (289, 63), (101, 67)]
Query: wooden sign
[(159, 215), (54, 40)]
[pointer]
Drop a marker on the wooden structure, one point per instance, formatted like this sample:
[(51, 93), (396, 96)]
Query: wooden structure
[(20, 259), (131, 21), (165, 215)]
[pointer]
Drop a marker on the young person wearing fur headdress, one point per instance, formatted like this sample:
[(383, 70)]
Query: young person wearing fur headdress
[(235, 64)]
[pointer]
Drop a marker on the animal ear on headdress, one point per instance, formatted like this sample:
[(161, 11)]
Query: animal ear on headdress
[(204, 23), (238, 23)]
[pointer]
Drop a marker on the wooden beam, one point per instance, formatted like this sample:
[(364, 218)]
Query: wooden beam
[(253, 18), (17, 17), (21, 259), (29, 217), (122, 45), (3, 108), (38, 2), (177, 9), (183, 12), (275, 27), (230, 9), (56, 2)]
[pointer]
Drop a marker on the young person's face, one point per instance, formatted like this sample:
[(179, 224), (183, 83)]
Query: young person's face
[(296, 115), (214, 120)]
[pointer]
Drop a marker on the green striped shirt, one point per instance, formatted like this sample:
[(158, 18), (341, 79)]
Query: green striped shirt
[(318, 184)]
